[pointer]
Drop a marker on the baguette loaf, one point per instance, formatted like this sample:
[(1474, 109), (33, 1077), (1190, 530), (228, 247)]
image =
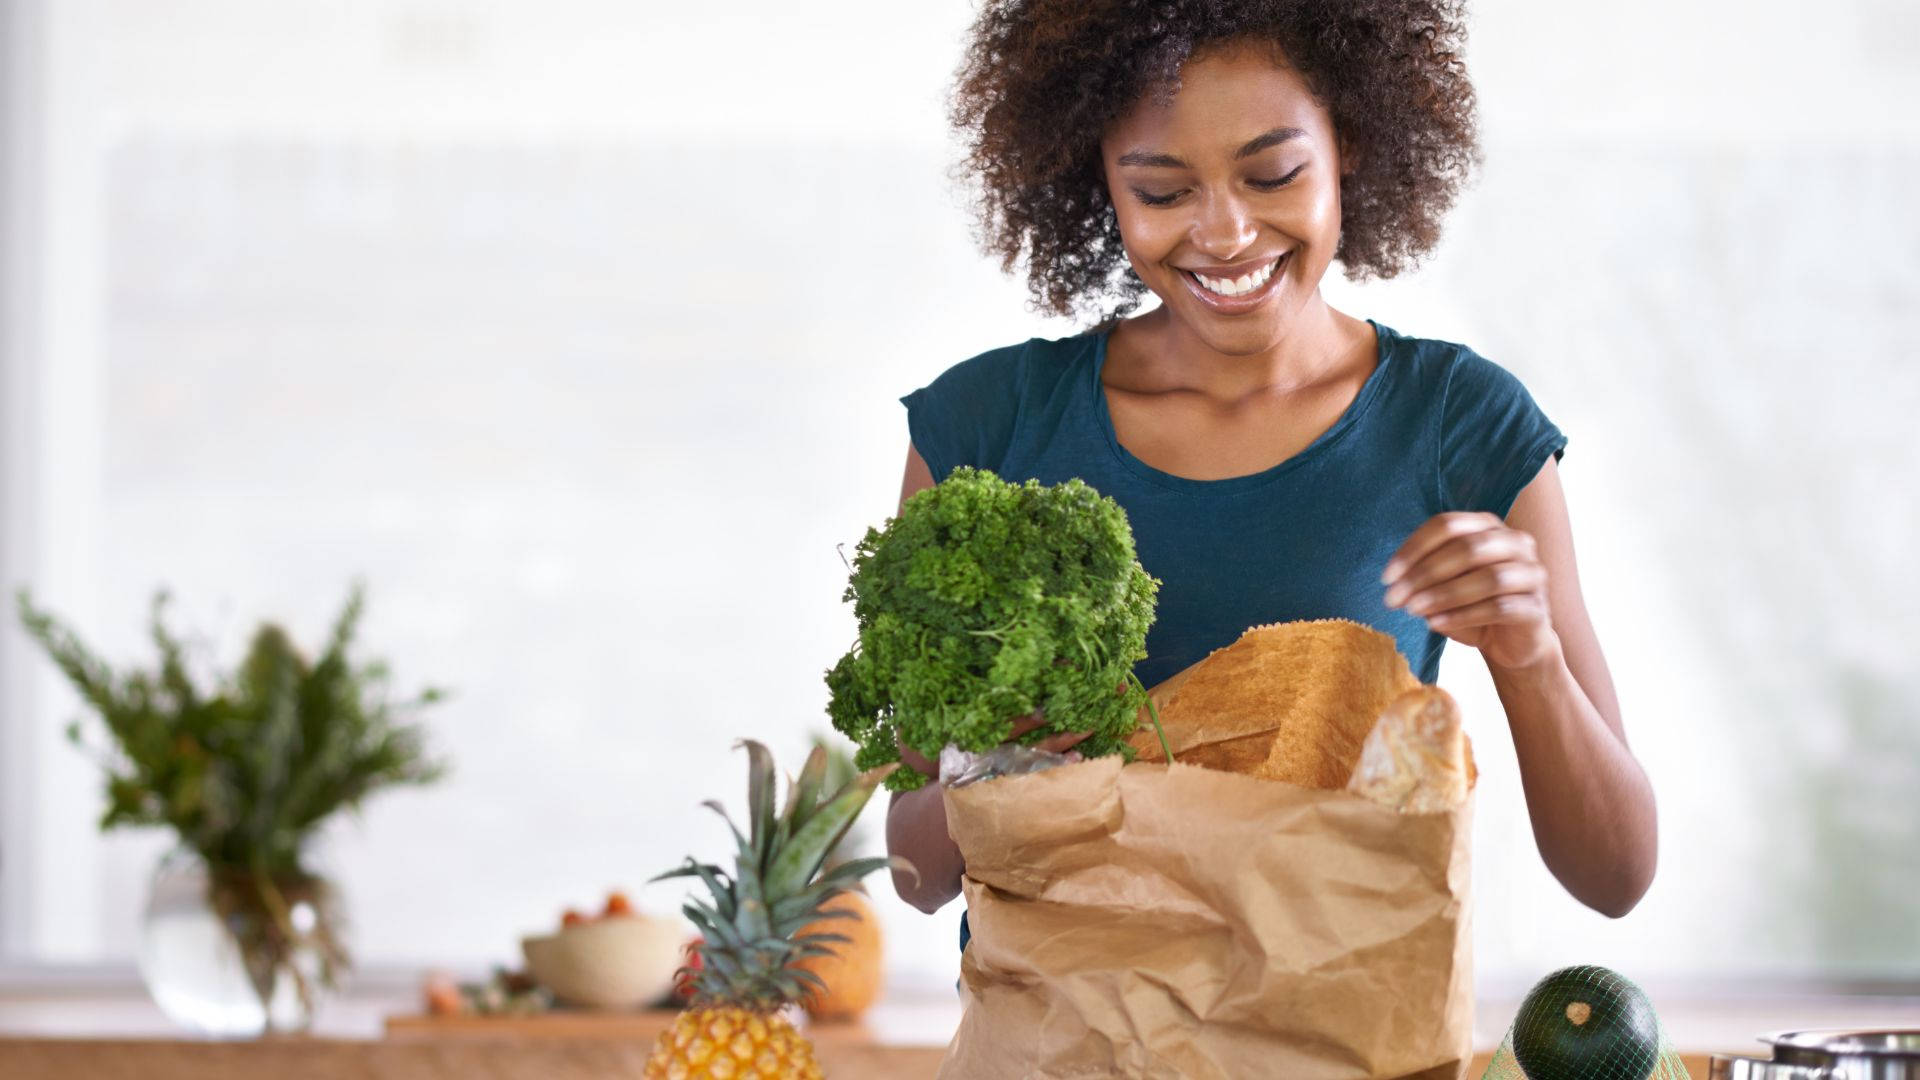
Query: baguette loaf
[(1417, 759)]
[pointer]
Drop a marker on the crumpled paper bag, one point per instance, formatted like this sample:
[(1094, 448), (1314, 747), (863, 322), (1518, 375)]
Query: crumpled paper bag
[(1169, 921)]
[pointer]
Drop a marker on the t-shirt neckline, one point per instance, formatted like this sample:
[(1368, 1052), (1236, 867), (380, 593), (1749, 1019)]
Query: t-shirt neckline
[(1355, 410)]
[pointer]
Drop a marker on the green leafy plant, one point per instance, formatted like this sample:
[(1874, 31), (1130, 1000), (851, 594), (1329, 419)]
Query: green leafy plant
[(246, 770), (985, 602)]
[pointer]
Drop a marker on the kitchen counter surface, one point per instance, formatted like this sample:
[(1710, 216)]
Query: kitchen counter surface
[(457, 1059), (105, 1032)]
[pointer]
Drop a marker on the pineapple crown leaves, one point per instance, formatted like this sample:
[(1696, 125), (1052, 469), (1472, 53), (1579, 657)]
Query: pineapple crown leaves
[(840, 770), (753, 918)]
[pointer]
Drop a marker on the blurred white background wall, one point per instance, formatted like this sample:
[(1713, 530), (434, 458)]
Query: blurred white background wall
[(576, 328)]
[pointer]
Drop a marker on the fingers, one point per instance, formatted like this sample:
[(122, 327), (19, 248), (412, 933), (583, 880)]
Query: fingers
[(1434, 533), (1062, 742), (1058, 744), (1510, 578), (1455, 555), (915, 760), (1478, 581), (1495, 610), (1055, 743), (1028, 722)]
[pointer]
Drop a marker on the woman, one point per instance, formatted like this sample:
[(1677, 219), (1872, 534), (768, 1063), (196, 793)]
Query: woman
[(1277, 459)]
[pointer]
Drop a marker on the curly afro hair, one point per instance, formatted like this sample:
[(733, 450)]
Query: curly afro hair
[(1041, 80)]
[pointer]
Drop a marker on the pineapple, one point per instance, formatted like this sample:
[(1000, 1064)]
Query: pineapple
[(733, 1027)]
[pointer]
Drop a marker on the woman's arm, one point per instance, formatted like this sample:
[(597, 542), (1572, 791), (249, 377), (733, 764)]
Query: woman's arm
[(1591, 804), (917, 824), (917, 830), (917, 820), (1511, 590)]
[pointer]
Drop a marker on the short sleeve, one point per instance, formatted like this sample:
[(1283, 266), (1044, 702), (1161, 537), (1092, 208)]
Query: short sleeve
[(968, 415), (1493, 437)]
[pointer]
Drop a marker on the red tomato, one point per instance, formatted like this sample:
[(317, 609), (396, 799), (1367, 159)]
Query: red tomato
[(683, 982)]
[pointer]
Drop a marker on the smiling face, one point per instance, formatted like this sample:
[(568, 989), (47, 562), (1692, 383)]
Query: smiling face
[(1228, 197)]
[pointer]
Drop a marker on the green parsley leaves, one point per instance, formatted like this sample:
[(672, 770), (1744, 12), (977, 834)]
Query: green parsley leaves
[(982, 602)]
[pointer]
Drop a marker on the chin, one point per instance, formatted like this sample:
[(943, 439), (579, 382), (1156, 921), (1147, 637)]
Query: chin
[(1240, 336)]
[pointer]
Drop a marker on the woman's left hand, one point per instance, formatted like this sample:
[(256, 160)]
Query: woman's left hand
[(1477, 581)]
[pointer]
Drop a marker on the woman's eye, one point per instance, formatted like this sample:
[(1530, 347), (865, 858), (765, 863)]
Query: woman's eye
[(1154, 199), (1151, 199), (1271, 185)]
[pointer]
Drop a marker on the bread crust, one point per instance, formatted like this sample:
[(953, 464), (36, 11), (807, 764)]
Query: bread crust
[(1289, 701)]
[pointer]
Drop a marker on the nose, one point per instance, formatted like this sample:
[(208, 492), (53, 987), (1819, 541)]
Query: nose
[(1222, 228)]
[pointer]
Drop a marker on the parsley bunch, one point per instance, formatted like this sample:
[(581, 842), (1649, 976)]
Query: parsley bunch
[(985, 601)]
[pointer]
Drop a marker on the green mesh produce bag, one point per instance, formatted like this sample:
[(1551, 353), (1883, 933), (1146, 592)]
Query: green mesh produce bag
[(1586, 1023)]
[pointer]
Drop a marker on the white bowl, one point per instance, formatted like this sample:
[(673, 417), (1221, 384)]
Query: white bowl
[(617, 962)]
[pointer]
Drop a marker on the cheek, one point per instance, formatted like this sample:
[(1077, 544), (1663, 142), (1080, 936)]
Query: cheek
[(1321, 214), (1149, 238)]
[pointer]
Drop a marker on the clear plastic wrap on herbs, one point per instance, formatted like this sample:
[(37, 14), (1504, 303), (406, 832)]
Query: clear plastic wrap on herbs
[(958, 767)]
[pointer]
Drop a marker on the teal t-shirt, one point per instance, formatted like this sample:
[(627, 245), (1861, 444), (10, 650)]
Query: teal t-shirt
[(1435, 427)]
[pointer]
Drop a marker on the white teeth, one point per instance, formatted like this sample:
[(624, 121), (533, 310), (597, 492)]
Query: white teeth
[(1241, 285)]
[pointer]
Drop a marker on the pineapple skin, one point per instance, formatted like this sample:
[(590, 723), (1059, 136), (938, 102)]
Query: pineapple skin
[(730, 1043)]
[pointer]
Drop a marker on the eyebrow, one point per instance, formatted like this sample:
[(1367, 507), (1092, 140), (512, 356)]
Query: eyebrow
[(1168, 161)]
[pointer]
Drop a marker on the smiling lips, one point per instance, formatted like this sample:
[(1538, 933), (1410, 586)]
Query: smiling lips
[(1231, 293)]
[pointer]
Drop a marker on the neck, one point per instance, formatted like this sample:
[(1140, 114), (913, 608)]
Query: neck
[(1166, 353)]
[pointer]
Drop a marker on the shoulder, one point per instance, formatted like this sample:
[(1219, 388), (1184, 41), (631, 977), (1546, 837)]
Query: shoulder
[(1457, 376), (1491, 436), (1010, 365), (1481, 399), (1440, 361), (1472, 377), (980, 380), (970, 414), (1004, 376), (1000, 362)]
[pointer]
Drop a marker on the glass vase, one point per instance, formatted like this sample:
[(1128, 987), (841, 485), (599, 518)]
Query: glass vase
[(229, 953)]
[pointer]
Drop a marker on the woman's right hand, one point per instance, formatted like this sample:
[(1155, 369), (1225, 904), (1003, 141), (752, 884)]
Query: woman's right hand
[(1058, 743), (917, 761)]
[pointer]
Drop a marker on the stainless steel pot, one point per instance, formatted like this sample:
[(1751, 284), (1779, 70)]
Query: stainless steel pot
[(1828, 1055)]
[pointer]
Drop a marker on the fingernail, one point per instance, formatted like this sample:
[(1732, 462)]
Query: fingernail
[(1392, 571), (1395, 595)]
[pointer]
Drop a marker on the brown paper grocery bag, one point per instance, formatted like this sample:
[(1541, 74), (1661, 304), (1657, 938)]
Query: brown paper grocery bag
[(1159, 920)]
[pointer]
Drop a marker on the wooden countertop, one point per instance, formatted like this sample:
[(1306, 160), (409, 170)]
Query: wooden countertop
[(335, 1059), (92, 1032), (461, 1058)]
